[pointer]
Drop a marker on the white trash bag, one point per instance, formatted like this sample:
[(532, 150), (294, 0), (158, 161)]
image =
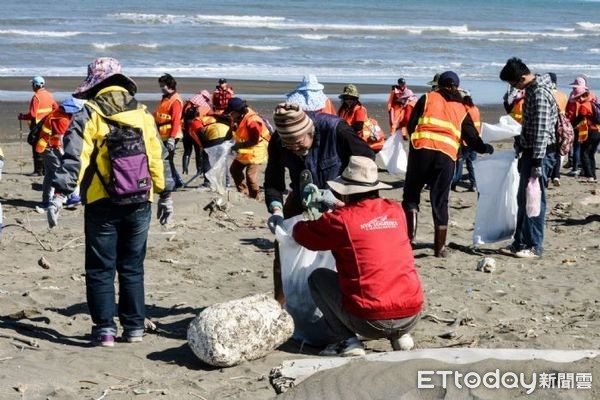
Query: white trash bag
[(392, 156), (226, 334), (217, 157), (297, 263), (498, 183), (506, 128)]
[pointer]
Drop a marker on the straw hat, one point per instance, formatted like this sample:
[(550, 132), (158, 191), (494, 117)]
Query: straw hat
[(359, 176)]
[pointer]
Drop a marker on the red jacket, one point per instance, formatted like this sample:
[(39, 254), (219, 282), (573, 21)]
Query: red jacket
[(374, 259)]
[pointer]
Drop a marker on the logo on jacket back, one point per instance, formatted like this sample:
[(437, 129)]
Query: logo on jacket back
[(379, 223)]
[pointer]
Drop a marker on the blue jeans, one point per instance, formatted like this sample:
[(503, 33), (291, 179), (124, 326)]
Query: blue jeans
[(115, 242), (467, 156), (530, 231)]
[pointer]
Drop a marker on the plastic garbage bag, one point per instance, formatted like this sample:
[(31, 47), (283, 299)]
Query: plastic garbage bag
[(392, 156), (217, 157), (506, 128), (497, 182), (297, 263), (533, 198)]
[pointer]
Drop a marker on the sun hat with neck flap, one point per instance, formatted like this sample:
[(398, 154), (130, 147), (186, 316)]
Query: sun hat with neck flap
[(359, 176), (100, 70), (292, 122)]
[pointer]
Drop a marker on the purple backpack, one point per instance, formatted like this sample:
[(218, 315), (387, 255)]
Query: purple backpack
[(130, 180)]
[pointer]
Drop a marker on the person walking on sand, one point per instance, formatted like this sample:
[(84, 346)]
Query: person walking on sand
[(466, 155), (581, 114), (42, 103), (50, 145), (221, 95), (310, 97), (251, 137), (112, 133), (438, 124), (401, 102), (562, 100), (536, 149), (312, 146), (368, 239), (168, 120)]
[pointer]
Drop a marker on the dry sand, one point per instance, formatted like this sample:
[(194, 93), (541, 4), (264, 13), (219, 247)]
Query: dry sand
[(200, 260)]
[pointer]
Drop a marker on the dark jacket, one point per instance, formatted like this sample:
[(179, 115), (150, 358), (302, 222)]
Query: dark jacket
[(334, 142)]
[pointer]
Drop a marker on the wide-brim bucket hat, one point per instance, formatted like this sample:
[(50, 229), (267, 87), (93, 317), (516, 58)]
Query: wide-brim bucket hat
[(350, 91), (310, 82), (99, 71), (359, 176)]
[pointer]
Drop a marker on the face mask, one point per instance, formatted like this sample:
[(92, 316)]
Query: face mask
[(165, 90)]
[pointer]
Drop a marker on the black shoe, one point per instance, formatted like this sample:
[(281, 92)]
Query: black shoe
[(453, 187)]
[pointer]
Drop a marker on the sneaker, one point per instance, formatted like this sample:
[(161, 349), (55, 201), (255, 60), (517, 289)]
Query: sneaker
[(510, 250), (573, 173), (133, 339), (527, 253), (404, 342), (107, 340), (350, 347), (556, 182), (73, 201)]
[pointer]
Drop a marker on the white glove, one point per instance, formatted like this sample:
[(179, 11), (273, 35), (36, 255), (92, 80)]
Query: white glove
[(170, 144), (165, 210), (53, 210), (276, 219)]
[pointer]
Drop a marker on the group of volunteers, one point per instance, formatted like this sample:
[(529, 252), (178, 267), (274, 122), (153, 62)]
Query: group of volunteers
[(119, 155)]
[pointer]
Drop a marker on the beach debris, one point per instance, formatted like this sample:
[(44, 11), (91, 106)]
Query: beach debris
[(164, 392), (486, 264), (168, 261), (216, 204), (21, 388), (461, 318), (226, 334), (149, 325), (23, 314), (29, 342), (42, 262), (569, 261)]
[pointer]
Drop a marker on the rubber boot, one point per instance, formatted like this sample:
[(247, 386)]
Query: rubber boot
[(439, 241), (185, 162), (411, 225)]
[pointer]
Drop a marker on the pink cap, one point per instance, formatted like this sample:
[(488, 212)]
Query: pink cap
[(579, 81)]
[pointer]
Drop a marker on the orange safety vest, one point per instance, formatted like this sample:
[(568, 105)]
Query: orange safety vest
[(350, 115), (51, 133), (399, 116), (46, 104), (162, 116), (517, 110), (373, 134), (221, 97), (256, 154), (439, 128), (329, 107), (585, 124)]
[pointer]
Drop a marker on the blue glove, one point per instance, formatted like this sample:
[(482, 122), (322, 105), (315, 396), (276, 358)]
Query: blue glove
[(276, 219), (165, 210), (53, 210)]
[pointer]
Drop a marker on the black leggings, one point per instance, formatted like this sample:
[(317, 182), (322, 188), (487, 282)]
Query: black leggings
[(588, 154)]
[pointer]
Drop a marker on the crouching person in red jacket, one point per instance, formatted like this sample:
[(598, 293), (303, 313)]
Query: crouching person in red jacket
[(376, 291)]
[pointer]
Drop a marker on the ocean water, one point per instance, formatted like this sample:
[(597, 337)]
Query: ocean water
[(340, 41)]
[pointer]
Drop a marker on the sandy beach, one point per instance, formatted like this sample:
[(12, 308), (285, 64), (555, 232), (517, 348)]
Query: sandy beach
[(202, 259)]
